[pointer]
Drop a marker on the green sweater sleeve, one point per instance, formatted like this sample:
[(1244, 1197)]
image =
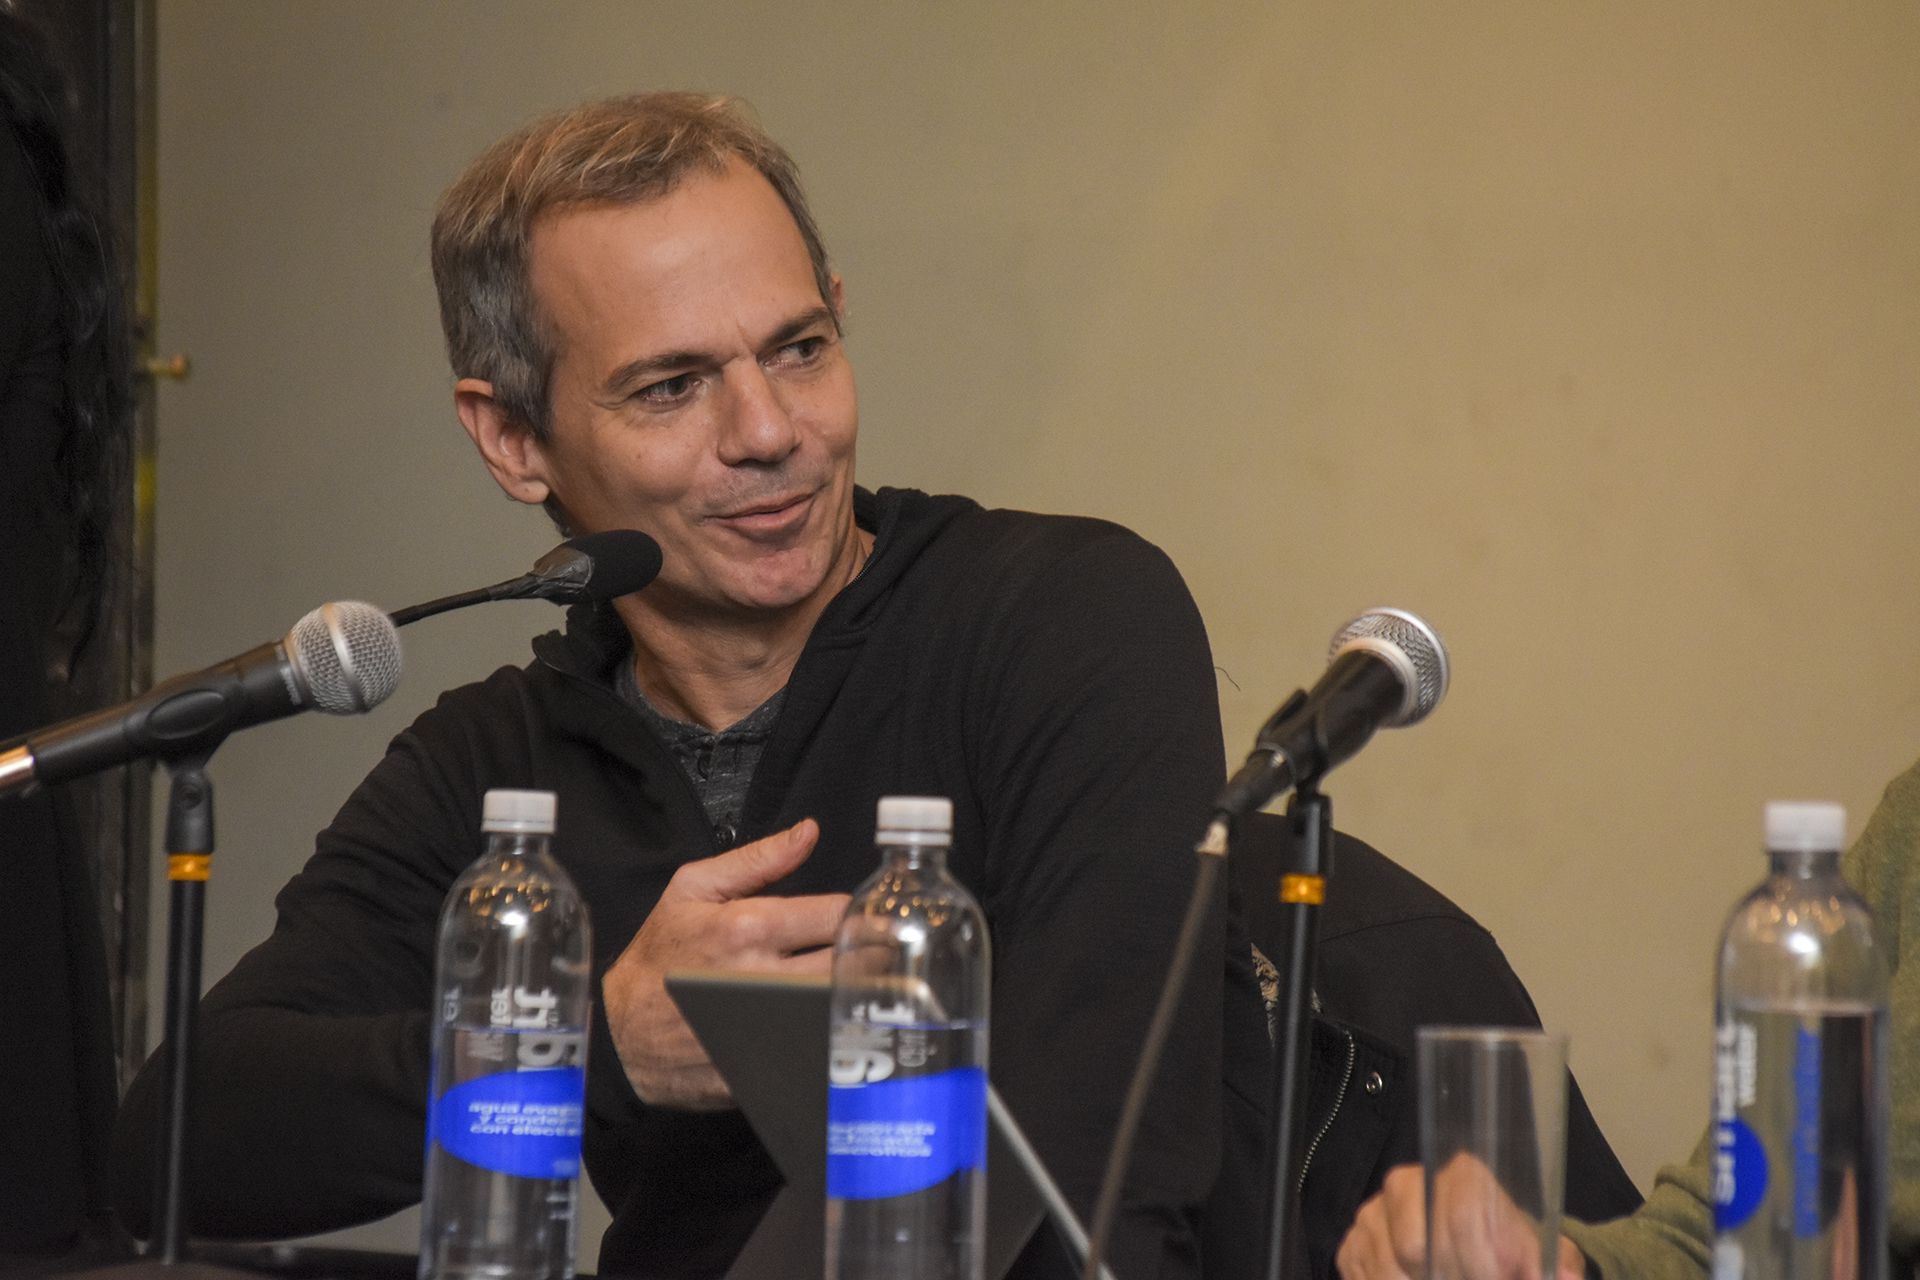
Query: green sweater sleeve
[(1671, 1236), (1668, 1238), (1885, 867)]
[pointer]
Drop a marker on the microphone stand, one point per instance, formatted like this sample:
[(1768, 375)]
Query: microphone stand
[(189, 859), (1302, 888)]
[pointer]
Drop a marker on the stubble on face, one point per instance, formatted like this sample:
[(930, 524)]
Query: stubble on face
[(701, 393)]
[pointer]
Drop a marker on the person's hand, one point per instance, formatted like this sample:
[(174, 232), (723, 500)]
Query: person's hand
[(710, 918), (1480, 1234)]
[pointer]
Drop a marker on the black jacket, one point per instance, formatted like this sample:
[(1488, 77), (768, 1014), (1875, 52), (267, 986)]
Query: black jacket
[(1393, 955), (1051, 675)]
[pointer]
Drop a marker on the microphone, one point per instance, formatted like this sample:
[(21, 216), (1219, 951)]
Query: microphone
[(342, 658), (1386, 668), (596, 566)]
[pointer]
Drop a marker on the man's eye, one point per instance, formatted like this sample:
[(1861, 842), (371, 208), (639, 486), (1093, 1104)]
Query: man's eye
[(804, 351), (667, 390)]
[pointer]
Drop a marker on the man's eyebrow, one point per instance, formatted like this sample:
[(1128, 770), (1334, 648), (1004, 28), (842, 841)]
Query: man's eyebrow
[(649, 367), (798, 325), (670, 362)]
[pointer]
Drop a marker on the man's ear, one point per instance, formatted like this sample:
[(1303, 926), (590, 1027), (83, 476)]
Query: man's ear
[(839, 288), (506, 445)]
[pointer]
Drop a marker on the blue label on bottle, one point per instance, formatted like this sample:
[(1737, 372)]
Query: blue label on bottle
[(526, 1123), (1740, 1179), (1806, 1132), (900, 1136)]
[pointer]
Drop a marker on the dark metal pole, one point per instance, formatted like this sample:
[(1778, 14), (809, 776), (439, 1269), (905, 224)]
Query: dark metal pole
[(1301, 890), (189, 856)]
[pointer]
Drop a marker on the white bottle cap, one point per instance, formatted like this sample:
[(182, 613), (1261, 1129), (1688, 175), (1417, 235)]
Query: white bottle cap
[(906, 815), (520, 811), (1806, 826)]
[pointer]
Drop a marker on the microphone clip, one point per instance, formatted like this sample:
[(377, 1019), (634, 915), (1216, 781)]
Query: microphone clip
[(1268, 768)]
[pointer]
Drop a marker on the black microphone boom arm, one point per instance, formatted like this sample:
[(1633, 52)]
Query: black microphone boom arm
[(597, 566)]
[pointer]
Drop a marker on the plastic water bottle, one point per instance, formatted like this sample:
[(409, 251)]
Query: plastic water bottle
[(907, 1076), (1800, 1081), (510, 1016)]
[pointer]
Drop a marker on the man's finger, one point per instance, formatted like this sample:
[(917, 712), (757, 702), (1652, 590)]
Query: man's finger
[(1368, 1252), (1573, 1263), (782, 926), (1461, 1244), (1516, 1241), (1403, 1198), (743, 872)]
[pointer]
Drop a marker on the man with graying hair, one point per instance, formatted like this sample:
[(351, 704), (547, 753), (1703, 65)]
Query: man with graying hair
[(645, 333)]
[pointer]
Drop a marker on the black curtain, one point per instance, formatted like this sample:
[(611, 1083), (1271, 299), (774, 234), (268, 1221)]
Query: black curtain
[(64, 958)]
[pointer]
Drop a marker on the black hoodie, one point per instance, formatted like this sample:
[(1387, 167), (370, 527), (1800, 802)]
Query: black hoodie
[(1049, 674)]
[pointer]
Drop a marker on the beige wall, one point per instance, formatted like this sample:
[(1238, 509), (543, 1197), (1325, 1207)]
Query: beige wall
[(1590, 331)]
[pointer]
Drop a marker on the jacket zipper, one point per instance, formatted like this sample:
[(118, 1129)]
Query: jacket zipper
[(1339, 1096)]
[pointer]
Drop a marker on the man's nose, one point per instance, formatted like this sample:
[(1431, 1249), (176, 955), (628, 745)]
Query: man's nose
[(759, 426)]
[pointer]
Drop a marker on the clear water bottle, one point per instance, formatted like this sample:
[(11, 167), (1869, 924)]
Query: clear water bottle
[(907, 1076), (1800, 1080), (511, 999)]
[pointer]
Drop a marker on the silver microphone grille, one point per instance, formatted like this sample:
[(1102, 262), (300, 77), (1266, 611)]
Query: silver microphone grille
[(1410, 645), (348, 655)]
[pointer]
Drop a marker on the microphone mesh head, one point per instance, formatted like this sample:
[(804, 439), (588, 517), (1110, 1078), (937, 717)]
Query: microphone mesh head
[(1411, 646), (347, 654)]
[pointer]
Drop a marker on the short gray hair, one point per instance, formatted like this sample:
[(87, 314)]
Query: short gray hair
[(616, 150)]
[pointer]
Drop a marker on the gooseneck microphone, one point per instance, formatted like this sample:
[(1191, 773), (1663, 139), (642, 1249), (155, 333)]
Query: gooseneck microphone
[(596, 566), (342, 658), (1386, 668)]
